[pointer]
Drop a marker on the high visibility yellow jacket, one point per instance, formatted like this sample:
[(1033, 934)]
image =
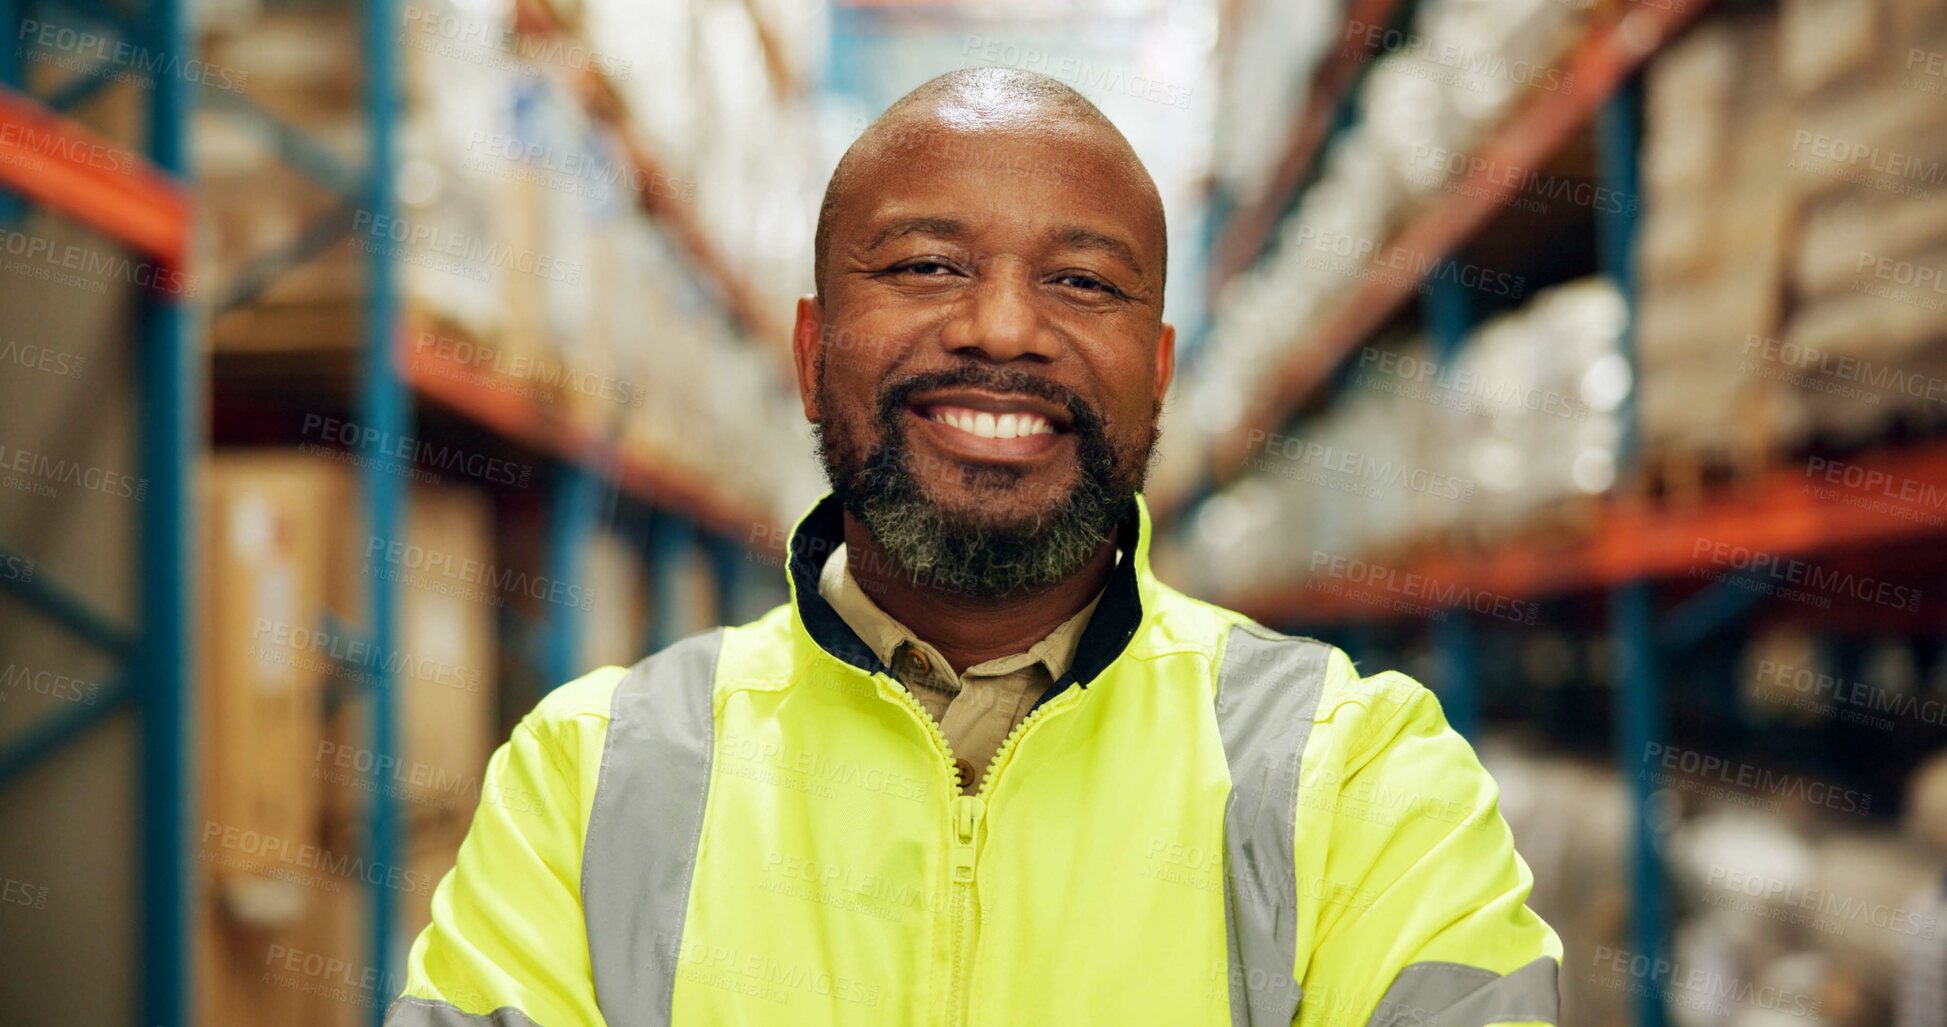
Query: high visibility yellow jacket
[(1203, 823)]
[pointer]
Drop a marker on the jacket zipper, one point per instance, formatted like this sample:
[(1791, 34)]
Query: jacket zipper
[(966, 815), (965, 921)]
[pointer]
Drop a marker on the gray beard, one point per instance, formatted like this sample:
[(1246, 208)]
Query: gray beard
[(949, 554)]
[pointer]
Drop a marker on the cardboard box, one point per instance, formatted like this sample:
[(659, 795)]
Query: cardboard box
[(265, 548), (268, 541), (317, 972)]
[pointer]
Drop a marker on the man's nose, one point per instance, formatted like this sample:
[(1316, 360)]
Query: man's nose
[(1001, 319)]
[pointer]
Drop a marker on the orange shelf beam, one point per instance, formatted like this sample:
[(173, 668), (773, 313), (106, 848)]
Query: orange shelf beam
[(60, 163), (1894, 497), (507, 409), (1600, 61)]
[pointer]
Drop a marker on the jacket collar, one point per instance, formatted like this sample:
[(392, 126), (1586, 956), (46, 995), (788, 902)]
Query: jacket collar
[(1126, 598)]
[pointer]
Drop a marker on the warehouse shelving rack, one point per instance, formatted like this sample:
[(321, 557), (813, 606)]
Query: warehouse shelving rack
[(1601, 61), (394, 375), (1633, 543), (148, 209), (43, 160)]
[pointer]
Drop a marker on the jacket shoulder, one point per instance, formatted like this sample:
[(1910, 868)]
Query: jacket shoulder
[(587, 696), (1350, 696)]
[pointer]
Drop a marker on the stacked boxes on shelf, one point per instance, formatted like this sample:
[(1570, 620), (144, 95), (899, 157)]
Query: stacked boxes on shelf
[(1809, 916), (1461, 70), (470, 270), (1522, 419), (1788, 911), (1529, 417), (549, 228), (1869, 264), (300, 64), (1713, 242), (1793, 252), (268, 877), (712, 89), (267, 540), (523, 257), (288, 765), (449, 586)]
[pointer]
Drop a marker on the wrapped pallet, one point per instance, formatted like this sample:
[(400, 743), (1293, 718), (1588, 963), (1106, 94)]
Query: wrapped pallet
[(1869, 334), (1718, 203), (1529, 407)]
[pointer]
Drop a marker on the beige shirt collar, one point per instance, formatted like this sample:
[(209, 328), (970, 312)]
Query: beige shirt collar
[(884, 635)]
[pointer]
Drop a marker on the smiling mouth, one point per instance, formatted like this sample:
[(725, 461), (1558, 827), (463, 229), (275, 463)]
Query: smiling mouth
[(984, 424)]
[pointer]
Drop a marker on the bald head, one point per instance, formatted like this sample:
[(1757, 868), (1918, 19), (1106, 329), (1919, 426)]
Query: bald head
[(952, 115)]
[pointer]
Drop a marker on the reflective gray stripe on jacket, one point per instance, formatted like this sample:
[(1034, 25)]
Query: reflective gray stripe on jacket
[(1267, 697), (1453, 995), (1267, 693), (408, 1011), (643, 831)]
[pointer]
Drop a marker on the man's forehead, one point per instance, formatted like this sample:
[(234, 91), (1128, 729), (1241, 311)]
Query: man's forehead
[(1018, 175)]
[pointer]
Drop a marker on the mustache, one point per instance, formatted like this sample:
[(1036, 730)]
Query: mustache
[(1083, 418)]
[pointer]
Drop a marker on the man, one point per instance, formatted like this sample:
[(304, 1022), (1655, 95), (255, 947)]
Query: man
[(985, 768)]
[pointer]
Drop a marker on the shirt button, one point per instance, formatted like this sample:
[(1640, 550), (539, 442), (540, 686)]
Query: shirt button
[(965, 768), (919, 661)]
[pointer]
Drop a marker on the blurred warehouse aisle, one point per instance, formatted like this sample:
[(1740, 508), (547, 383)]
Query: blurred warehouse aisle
[(368, 370)]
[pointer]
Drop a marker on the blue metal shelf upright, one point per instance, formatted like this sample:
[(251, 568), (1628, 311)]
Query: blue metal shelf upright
[(384, 404), (1632, 623), (144, 209)]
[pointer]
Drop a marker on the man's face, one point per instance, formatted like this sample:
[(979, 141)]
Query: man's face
[(988, 359)]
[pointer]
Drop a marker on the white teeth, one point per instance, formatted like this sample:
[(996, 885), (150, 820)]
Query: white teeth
[(985, 425)]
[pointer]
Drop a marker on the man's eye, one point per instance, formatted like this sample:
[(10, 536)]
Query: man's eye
[(1078, 280), (924, 268)]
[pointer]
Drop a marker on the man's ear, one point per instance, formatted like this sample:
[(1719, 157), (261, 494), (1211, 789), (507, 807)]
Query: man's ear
[(1165, 360), (805, 345)]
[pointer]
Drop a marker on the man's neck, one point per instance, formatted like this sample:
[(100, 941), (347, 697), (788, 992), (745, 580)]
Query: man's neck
[(968, 631)]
